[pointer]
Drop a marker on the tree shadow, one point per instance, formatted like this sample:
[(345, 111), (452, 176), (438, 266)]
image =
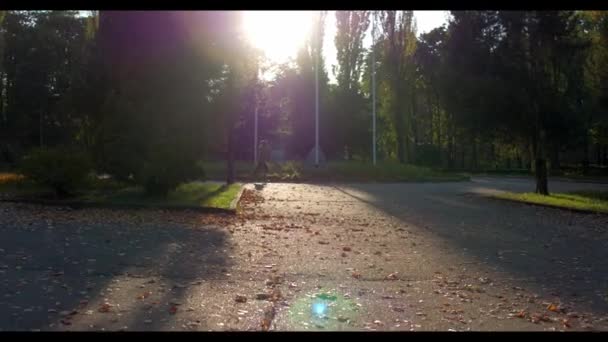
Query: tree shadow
[(61, 265), (556, 254)]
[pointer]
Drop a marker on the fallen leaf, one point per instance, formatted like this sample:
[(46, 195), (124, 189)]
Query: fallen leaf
[(346, 249), (173, 310), (392, 276), (240, 299), (105, 307), (553, 307), (144, 295)]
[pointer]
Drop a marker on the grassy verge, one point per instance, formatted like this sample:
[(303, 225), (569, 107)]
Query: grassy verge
[(338, 171), (107, 191), (193, 194), (593, 201)]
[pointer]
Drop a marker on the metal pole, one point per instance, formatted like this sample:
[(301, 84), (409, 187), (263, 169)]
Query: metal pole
[(317, 93), (255, 133), (374, 89)]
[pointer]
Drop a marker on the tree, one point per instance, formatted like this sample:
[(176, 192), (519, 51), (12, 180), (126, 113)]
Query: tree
[(399, 35), (541, 38), (159, 80), (349, 112)]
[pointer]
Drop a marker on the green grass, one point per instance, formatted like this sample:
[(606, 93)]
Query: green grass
[(337, 171), (594, 201), (108, 191), (195, 194)]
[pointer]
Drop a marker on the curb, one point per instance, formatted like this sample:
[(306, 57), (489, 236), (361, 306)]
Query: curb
[(235, 202), (575, 210), (550, 178)]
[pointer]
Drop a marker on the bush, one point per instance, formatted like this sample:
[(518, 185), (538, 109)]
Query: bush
[(165, 169), (63, 169), (428, 155)]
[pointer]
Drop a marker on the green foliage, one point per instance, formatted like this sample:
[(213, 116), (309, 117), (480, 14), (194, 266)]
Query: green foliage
[(62, 169), (428, 155), (164, 169), (491, 89), (288, 171)]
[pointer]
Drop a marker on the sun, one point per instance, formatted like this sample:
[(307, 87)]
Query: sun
[(279, 34)]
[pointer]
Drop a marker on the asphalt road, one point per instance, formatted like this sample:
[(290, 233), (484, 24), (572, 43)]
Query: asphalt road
[(417, 256)]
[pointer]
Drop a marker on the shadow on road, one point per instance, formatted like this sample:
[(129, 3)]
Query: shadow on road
[(556, 254), (58, 265)]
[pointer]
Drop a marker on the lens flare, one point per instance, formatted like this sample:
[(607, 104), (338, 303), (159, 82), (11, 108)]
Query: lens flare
[(319, 309)]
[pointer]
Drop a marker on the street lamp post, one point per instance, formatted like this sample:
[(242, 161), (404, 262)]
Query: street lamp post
[(255, 135), (317, 91), (374, 89)]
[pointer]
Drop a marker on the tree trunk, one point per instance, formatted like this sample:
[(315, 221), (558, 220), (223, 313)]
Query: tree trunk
[(492, 155), (414, 126), (542, 186), (585, 160), (541, 177), (555, 165), (462, 155), (400, 148), (520, 163), (450, 138), (439, 131), (599, 154), (474, 155), (230, 158), (531, 153), (429, 103), (450, 152)]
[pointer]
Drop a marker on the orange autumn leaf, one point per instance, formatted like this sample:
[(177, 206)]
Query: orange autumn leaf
[(105, 307)]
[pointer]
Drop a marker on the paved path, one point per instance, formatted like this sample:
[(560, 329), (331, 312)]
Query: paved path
[(318, 257), (463, 262)]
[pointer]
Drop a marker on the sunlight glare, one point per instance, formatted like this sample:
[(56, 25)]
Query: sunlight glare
[(279, 34)]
